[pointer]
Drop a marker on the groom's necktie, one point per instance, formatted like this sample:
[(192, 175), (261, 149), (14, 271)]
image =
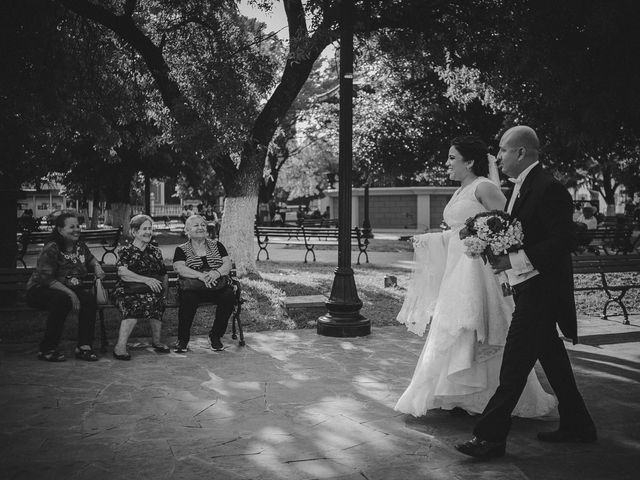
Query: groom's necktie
[(515, 193)]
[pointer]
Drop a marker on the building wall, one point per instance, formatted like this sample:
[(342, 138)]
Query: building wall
[(42, 203), (393, 211), (415, 209)]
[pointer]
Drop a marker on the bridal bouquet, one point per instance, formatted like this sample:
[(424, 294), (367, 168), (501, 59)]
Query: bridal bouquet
[(492, 233)]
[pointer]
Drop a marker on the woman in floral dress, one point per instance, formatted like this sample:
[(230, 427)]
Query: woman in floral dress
[(142, 286)]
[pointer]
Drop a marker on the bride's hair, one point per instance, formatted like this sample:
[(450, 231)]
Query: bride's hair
[(473, 148)]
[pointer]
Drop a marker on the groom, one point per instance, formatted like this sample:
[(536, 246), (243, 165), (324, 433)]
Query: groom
[(542, 280)]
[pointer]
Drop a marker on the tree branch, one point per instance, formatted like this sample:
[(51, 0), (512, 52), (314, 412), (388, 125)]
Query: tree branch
[(126, 29), (129, 7), (295, 19)]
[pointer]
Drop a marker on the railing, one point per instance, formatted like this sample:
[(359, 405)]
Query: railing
[(169, 210)]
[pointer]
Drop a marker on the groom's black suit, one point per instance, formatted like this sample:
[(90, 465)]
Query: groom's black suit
[(544, 208)]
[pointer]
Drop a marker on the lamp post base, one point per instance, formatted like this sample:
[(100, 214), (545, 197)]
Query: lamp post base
[(340, 327), (343, 317)]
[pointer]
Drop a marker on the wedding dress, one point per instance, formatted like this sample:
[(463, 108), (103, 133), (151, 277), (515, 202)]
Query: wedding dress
[(462, 300)]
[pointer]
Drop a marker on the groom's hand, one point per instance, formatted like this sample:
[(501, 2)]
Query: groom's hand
[(499, 263)]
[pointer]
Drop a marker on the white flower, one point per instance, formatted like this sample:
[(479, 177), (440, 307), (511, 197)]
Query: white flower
[(475, 246)]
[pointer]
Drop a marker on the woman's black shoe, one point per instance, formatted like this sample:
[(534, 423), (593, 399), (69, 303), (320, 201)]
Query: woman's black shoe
[(180, 347), (51, 356), (216, 344), (160, 348), (87, 355), (125, 357)]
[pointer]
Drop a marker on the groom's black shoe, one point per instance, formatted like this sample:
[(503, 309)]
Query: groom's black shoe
[(569, 436), (482, 449)]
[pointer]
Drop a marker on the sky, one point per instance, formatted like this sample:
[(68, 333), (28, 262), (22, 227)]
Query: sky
[(275, 20)]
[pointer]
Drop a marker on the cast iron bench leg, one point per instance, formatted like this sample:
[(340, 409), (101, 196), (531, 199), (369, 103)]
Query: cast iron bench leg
[(108, 251), (309, 249), (262, 249)]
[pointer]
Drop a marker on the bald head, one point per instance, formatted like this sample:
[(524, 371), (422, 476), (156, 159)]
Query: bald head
[(519, 148), (522, 136)]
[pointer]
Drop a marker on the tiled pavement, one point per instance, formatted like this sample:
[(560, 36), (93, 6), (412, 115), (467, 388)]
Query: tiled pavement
[(292, 405)]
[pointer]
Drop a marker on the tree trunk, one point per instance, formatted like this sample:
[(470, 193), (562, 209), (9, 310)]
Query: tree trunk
[(95, 213), (8, 249), (240, 205), (609, 189), (120, 214), (147, 194), (236, 232)]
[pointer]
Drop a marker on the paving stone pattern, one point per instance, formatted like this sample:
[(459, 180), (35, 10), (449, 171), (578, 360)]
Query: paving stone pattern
[(291, 405)]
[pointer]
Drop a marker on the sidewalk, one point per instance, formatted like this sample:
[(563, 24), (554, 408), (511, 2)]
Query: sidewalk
[(293, 405)]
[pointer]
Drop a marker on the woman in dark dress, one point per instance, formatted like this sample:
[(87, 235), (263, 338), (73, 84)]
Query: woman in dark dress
[(142, 286), (206, 260), (56, 286)]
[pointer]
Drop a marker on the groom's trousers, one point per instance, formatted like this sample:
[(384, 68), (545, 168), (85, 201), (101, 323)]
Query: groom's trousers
[(533, 336)]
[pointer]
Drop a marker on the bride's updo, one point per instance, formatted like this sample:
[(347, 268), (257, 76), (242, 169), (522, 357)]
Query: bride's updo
[(473, 148)]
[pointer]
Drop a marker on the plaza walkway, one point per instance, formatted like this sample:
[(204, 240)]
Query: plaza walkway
[(292, 405)]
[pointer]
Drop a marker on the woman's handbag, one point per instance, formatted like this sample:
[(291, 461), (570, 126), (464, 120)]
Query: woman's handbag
[(137, 288), (198, 285), (102, 297)]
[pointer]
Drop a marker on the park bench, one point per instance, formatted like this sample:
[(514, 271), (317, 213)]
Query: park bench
[(13, 283), (310, 237), (107, 238), (610, 240), (604, 265), (319, 222)]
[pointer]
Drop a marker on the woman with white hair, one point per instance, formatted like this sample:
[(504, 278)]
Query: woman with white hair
[(203, 265)]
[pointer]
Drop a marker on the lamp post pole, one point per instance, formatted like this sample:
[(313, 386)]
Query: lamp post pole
[(343, 317), (366, 225)]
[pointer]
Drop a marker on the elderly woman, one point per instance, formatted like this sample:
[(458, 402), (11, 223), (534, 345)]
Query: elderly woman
[(142, 286), (56, 286), (201, 263)]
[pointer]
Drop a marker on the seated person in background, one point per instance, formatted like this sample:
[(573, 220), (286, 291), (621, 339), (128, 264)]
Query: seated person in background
[(587, 218), (277, 219), (26, 222), (577, 212), (206, 260)]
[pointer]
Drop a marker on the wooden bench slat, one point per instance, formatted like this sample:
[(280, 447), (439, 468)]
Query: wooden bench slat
[(614, 239)]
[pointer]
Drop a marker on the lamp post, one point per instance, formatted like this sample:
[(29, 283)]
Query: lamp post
[(343, 317), (366, 225)]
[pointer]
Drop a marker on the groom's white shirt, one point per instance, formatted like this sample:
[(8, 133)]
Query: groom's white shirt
[(521, 268)]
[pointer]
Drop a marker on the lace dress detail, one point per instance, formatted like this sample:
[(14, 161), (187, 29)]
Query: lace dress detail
[(460, 300)]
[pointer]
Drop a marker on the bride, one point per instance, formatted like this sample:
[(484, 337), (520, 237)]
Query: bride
[(463, 302)]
